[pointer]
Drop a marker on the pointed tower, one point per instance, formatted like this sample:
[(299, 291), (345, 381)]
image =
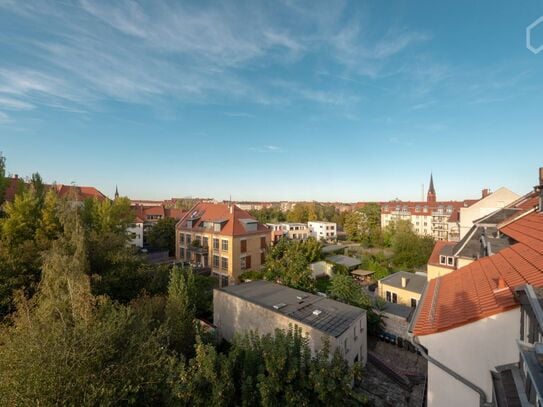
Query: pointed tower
[(116, 192), (431, 196)]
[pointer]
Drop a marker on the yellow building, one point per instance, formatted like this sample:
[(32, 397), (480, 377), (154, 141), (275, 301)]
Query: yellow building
[(402, 288), (222, 238)]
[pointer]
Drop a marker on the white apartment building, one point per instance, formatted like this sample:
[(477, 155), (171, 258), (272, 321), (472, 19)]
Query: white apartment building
[(321, 230), (469, 322), (135, 232), (293, 231)]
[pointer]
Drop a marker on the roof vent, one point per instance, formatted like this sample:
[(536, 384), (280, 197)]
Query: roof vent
[(279, 306), (317, 312), (538, 349), (301, 297)]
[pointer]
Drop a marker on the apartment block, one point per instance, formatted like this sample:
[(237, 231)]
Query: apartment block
[(222, 238), (321, 230), (292, 231)]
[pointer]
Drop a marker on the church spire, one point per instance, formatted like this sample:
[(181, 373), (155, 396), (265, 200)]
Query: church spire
[(116, 192), (431, 197)]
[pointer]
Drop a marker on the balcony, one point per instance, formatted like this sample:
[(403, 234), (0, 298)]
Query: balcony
[(196, 247)]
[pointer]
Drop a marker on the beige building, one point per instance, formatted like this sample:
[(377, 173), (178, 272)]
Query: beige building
[(428, 218), (402, 288), (222, 238), (263, 306)]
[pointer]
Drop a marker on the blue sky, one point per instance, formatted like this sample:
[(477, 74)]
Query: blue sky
[(273, 100)]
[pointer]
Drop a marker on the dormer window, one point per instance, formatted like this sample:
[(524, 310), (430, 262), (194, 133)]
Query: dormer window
[(443, 260)]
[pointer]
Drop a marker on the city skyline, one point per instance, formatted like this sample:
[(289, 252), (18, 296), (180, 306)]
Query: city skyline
[(356, 102)]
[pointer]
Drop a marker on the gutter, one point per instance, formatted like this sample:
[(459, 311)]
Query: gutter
[(483, 402)]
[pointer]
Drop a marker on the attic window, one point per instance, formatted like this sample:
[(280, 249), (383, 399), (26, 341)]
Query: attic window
[(450, 261), (280, 305), (442, 260)]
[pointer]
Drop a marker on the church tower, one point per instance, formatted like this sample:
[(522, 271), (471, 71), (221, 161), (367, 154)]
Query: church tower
[(431, 197), (116, 192)]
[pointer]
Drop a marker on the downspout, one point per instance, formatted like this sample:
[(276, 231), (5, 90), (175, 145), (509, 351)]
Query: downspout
[(483, 402)]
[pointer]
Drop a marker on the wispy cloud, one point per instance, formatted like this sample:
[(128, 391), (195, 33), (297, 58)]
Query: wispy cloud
[(266, 149), (238, 114), (4, 118), (400, 142)]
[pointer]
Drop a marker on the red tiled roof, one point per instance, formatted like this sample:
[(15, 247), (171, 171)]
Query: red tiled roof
[(220, 211), (154, 210), (175, 213), (434, 257), (81, 193), (485, 287), (11, 189)]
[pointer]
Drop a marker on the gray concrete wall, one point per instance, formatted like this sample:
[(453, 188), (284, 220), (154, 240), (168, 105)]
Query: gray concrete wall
[(233, 315)]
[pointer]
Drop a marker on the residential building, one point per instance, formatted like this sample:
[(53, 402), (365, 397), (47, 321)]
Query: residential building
[(521, 383), (429, 218), (469, 320), (321, 230), (482, 240), (223, 238), (293, 231), (146, 218), (489, 203), (402, 288), (136, 232), (262, 306)]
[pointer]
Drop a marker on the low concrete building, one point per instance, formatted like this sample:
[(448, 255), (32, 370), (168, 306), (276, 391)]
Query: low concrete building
[(402, 288), (263, 306), (351, 263)]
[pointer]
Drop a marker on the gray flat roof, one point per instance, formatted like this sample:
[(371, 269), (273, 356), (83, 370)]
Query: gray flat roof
[(344, 260), (334, 318), (362, 273), (415, 282), (332, 248)]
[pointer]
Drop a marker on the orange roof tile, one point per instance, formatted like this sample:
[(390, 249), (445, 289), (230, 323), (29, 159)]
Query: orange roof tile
[(485, 287), (231, 216)]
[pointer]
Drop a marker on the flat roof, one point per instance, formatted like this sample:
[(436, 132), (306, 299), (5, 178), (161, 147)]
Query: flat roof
[(344, 260), (415, 282), (332, 248), (334, 319), (362, 273)]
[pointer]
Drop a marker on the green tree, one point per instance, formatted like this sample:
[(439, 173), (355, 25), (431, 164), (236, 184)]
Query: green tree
[(180, 311), (68, 347), (345, 289), (410, 250), (162, 235)]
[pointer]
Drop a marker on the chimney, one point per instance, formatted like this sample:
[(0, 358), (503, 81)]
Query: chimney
[(485, 192), (501, 283), (405, 280)]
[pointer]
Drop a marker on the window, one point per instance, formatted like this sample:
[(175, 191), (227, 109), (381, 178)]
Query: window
[(450, 261), (243, 246), (216, 261), (442, 260), (388, 296), (188, 239), (263, 242), (182, 253), (245, 262), (216, 244), (394, 298), (224, 263), (224, 245), (413, 303), (294, 235), (206, 242), (224, 281), (262, 258), (181, 238)]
